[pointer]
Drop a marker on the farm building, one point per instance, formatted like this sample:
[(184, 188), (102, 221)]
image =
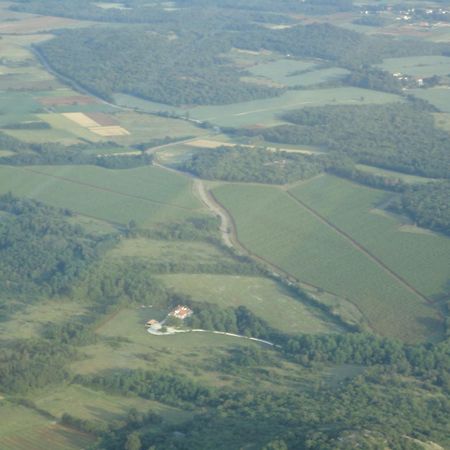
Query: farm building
[(151, 323), (181, 312)]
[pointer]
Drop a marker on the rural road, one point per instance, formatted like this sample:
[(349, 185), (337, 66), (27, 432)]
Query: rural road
[(226, 224)]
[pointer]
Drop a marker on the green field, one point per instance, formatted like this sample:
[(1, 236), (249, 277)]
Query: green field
[(98, 406), (262, 296), (418, 255), (145, 127), (418, 66), (24, 429), (264, 112), (437, 96), (274, 226), (147, 195)]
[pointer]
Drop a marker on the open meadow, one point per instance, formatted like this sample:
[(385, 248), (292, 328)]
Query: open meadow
[(271, 224), (291, 72), (264, 112), (262, 296), (147, 195)]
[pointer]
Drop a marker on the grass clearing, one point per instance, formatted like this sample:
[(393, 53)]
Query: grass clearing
[(438, 96), (272, 225), (23, 429), (262, 296), (264, 112), (147, 194), (187, 352), (282, 72), (169, 251), (418, 66), (145, 127)]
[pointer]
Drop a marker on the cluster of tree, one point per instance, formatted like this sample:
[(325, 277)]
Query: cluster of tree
[(12, 144), (343, 47), (41, 252), (31, 364), (371, 78), (55, 154), (428, 205), (238, 320), (372, 410), (120, 283), (342, 167), (393, 136), (169, 388), (252, 165), (427, 361), (175, 72), (191, 229), (32, 125)]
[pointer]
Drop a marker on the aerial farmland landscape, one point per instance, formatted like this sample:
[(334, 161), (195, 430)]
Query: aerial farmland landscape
[(225, 224)]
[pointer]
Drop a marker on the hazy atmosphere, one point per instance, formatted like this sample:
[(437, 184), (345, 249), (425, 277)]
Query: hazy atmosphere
[(225, 225)]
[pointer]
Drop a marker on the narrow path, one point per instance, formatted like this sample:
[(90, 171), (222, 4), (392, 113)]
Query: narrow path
[(173, 331), (360, 247)]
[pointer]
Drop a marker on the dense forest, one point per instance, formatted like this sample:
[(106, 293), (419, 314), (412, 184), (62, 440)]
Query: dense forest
[(428, 205), (252, 165), (41, 252), (180, 71), (392, 136), (58, 154)]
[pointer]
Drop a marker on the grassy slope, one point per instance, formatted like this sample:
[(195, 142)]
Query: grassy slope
[(147, 195), (275, 227), (262, 296)]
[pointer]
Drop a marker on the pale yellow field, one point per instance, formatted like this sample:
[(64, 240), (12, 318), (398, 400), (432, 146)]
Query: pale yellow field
[(86, 122), (81, 119), (204, 143), (114, 130)]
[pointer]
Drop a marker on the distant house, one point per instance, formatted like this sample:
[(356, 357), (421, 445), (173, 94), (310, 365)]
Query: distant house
[(181, 312), (151, 322)]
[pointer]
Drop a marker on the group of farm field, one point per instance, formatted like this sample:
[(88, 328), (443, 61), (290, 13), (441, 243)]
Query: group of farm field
[(339, 246)]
